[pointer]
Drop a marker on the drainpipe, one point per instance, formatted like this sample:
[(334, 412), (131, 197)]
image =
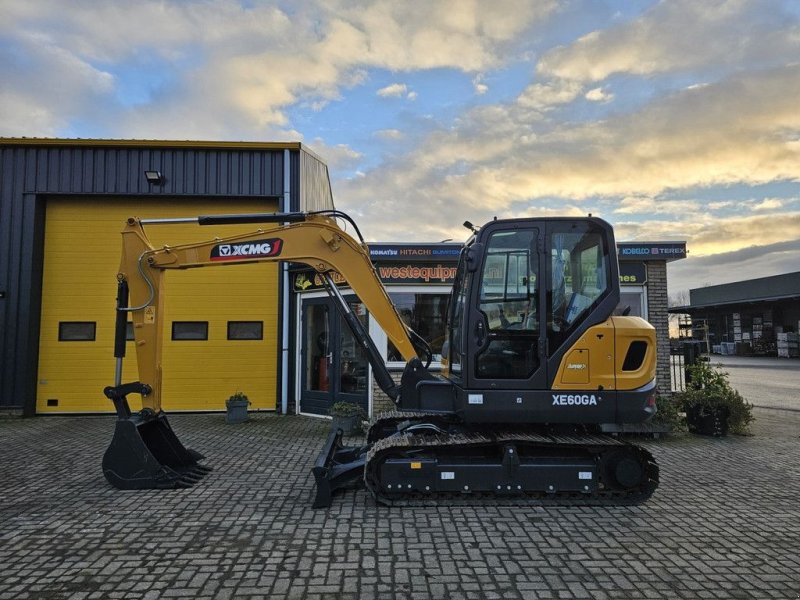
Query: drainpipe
[(285, 316)]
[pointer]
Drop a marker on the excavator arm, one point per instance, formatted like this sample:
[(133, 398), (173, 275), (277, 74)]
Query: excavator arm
[(145, 452), (316, 240)]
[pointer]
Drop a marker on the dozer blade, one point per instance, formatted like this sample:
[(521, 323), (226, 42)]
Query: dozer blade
[(146, 454), (337, 466)]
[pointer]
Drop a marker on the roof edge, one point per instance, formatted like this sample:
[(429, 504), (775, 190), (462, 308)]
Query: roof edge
[(137, 143)]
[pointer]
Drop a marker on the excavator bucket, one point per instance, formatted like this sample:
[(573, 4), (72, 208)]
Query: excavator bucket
[(145, 453)]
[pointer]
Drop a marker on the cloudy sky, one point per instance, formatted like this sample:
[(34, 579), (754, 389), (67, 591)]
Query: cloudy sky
[(673, 120)]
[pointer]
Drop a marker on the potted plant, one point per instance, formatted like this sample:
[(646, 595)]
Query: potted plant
[(236, 407), (712, 406), (347, 416)]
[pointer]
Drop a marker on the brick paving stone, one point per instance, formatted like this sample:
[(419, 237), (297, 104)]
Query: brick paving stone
[(725, 523)]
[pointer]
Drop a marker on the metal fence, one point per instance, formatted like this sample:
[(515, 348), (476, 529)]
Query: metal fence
[(677, 370)]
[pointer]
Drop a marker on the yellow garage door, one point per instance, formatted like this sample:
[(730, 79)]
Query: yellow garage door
[(221, 322)]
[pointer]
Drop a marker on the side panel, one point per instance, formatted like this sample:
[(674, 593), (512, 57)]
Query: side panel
[(556, 406), (82, 248)]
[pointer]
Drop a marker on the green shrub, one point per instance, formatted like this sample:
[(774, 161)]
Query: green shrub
[(347, 409), (669, 413), (237, 397), (709, 388)]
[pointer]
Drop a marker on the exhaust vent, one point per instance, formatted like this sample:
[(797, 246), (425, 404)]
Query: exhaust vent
[(635, 356)]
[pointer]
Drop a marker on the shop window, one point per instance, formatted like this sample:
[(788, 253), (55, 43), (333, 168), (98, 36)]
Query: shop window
[(633, 298), (425, 313), (76, 331), (189, 330), (245, 330)]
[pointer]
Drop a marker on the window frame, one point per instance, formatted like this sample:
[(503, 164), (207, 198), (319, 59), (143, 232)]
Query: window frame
[(196, 339), (245, 339), (639, 290), (379, 336), (61, 337)]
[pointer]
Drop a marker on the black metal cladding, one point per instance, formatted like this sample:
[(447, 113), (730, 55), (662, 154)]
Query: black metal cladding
[(31, 170)]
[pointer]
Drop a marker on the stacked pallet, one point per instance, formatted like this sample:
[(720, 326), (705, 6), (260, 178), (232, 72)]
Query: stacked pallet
[(788, 345)]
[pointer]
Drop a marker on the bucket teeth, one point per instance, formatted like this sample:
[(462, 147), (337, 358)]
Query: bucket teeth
[(190, 476), (195, 454), (146, 454)]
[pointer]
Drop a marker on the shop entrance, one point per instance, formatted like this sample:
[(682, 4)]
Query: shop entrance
[(333, 365)]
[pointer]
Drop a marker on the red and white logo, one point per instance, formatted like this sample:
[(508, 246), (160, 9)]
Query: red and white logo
[(247, 250)]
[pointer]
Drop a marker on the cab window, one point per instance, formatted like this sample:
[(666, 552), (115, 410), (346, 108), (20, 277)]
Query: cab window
[(507, 305), (578, 278)]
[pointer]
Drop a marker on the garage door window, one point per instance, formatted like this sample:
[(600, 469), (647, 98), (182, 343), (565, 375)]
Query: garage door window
[(76, 331), (189, 330), (245, 330)]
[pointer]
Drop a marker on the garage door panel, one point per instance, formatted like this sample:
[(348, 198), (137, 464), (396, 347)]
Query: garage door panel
[(81, 259)]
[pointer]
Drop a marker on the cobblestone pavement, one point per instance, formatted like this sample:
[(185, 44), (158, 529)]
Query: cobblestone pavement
[(725, 523)]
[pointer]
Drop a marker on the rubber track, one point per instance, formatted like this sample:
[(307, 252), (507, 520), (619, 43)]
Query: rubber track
[(592, 443), (394, 417)]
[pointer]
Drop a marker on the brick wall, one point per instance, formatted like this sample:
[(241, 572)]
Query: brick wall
[(380, 401), (658, 317)]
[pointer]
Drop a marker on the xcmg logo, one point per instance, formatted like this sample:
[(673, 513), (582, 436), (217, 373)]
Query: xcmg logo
[(245, 250)]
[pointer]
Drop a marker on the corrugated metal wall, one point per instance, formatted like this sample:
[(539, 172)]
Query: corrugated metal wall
[(314, 180), (30, 170)]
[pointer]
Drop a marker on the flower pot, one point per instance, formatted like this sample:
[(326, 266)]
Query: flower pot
[(706, 420), (347, 424), (236, 411)]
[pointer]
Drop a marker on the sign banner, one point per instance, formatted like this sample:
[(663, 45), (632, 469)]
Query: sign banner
[(388, 273), (632, 273), (414, 252), (651, 250)]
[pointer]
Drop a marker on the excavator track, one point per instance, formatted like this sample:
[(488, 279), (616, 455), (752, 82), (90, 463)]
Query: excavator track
[(386, 423), (505, 466)]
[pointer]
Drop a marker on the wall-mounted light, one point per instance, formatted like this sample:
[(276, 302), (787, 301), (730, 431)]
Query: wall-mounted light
[(154, 177)]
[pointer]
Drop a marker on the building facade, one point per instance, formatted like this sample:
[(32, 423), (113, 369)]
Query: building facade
[(267, 330), (62, 206), (752, 317)]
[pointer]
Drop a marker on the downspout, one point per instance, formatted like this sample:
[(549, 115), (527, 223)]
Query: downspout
[(285, 207)]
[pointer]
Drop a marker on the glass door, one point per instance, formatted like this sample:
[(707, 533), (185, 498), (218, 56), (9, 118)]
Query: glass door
[(317, 357), (333, 365)]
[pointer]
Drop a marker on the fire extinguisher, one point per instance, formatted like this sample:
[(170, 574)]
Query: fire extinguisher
[(322, 362), (322, 372)]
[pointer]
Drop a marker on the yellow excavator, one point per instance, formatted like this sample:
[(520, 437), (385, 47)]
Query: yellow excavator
[(535, 363)]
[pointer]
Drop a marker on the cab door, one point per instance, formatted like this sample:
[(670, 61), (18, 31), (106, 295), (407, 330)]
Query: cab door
[(504, 339)]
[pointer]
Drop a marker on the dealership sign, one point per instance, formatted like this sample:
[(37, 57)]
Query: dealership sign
[(414, 252), (651, 250)]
